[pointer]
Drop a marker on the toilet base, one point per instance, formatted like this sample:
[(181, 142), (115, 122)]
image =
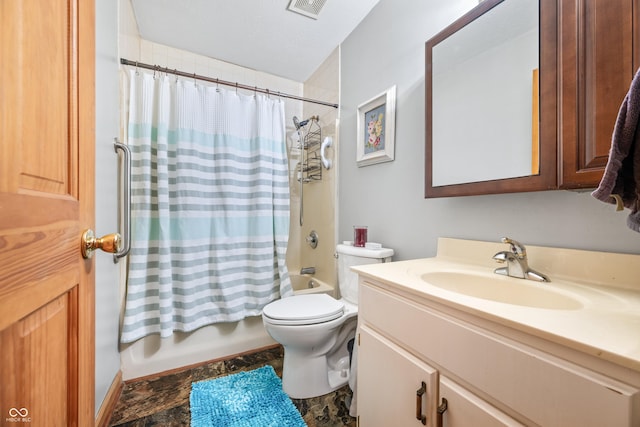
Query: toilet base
[(304, 377), (316, 356)]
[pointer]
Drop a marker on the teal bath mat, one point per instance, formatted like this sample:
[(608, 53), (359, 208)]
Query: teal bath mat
[(246, 399)]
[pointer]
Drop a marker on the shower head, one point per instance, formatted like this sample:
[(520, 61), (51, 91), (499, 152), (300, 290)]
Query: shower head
[(298, 124)]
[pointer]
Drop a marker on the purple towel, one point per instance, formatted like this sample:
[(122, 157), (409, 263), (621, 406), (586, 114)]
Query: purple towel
[(620, 183)]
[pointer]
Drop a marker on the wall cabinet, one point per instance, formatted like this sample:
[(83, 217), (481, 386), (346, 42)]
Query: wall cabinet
[(589, 53), (487, 377), (598, 56)]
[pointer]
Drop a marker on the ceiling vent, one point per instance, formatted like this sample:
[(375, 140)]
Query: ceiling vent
[(310, 8)]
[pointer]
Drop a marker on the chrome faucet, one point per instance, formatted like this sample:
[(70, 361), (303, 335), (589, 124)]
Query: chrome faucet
[(517, 263), (308, 270)]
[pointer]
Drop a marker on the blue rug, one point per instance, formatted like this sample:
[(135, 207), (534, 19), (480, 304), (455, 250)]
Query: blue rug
[(246, 399)]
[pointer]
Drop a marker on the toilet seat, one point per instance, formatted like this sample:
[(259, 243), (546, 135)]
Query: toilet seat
[(303, 310)]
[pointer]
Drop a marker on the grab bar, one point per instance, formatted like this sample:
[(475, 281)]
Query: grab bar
[(124, 226), (328, 141)]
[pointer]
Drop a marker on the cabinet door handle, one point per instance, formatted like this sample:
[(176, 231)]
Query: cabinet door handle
[(419, 393), (441, 410)]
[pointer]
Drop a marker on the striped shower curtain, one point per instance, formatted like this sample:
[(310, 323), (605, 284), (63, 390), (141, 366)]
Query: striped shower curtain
[(210, 205)]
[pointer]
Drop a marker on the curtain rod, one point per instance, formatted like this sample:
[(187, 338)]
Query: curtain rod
[(223, 82)]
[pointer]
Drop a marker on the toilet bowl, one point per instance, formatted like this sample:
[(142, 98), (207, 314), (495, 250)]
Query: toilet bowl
[(315, 329)]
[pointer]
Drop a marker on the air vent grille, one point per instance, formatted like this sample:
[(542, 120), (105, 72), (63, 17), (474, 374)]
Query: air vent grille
[(310, 8)]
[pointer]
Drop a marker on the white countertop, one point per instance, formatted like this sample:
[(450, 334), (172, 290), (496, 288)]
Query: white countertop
[(605, 323)]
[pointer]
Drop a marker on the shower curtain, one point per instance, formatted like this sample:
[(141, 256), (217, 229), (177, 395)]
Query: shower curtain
[(210, 205)]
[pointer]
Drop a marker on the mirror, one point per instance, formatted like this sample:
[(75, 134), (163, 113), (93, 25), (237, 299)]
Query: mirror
[(491, 101)]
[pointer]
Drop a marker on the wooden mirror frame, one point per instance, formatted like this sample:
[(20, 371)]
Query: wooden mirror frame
[(547, 177)]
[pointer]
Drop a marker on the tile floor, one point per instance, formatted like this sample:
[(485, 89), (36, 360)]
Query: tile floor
[(164, 400)]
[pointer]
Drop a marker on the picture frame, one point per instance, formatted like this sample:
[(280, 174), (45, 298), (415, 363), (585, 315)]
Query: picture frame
[(375, 141)]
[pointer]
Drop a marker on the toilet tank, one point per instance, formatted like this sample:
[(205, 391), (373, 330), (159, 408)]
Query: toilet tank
[(349, 256)]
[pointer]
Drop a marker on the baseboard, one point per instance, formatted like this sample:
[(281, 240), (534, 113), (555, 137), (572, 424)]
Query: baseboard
[(196, 365), (110, 401)]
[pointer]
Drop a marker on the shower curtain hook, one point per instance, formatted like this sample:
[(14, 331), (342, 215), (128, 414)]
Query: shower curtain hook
[(137, 74), (194, 79), (155, 68), (175, 73), (218, 84), (268, 94), (236, 88)]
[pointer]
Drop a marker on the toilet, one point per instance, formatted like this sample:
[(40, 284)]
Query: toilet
[(315, 329)]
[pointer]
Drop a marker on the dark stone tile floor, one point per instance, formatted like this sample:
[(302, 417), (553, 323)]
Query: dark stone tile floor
[(164, 400)]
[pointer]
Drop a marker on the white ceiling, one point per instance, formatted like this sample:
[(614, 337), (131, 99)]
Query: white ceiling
[(258, 34)]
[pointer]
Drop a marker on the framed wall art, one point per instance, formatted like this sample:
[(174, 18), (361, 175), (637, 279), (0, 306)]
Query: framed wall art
[(376, 129)]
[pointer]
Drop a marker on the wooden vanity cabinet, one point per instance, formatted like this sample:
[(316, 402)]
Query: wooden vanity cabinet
[(589, 53), (489, 374), (598, 57)]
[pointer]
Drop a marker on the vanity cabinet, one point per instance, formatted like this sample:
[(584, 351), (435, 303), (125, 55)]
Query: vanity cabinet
[(389, 396), (488, 374), (397, 388), (466, 409), (597, 61)]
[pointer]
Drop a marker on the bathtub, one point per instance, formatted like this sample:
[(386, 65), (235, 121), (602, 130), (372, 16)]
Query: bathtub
[(307, 284), (152, 355)]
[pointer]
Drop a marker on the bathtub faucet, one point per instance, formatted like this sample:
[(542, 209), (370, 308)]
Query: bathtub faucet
[(308, 270)]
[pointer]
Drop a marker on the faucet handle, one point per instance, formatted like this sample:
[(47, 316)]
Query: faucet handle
[(500, 257), (505, 256), (516, 247)]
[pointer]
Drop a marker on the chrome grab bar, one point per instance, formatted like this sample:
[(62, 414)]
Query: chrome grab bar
[(124, 216)]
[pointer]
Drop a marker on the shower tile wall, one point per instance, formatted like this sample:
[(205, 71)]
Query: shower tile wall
[(319, 196)]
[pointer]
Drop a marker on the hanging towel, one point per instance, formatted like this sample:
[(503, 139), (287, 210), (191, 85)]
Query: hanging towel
[(620, 183)]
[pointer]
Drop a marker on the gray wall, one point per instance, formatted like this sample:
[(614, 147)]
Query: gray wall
[(387, 49), (107, 127)]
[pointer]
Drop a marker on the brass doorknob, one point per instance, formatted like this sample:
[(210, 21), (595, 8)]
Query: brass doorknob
[(109, 243)]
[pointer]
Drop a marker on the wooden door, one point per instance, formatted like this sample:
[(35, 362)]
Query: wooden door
[(46, 200), (598, 59)]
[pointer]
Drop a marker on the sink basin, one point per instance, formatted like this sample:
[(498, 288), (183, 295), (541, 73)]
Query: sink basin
[(502, 289)]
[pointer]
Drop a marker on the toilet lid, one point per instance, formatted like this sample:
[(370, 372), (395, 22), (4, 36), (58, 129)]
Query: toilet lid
[(303, 310)]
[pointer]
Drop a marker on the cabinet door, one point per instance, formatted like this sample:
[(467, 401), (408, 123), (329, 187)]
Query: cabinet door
[(466, 409), (389, 379), (598, 61)]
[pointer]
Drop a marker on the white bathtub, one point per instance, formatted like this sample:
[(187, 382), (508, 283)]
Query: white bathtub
[(307, 284)]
